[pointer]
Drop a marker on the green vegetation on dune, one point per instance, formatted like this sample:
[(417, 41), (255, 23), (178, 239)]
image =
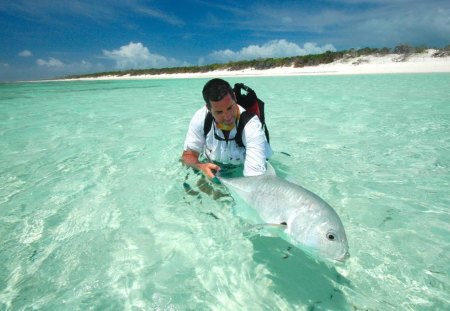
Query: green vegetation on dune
[(267, 63)]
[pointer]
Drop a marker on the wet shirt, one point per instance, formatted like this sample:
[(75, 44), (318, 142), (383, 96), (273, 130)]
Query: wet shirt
[(216, 148)]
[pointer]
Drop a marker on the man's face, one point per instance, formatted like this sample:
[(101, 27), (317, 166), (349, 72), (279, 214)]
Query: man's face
[(224, 111)]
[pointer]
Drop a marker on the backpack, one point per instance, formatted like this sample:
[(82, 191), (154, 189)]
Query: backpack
[(252, 105)]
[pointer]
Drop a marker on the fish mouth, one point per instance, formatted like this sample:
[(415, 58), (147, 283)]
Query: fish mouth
[(344, 257)]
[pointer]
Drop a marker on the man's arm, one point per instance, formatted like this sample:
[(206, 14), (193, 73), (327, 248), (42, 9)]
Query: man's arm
[(255, 144), (190, 158), (195, 140)]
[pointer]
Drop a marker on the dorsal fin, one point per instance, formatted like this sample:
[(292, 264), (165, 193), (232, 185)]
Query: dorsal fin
[(270, 171)]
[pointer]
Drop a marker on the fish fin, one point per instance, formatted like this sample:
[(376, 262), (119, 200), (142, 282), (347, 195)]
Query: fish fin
[(262, 228), (291, 179), (270, 171), (280, 225), (287, 253)]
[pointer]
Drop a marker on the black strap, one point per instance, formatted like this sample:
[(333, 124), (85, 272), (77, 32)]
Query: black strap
[(243, 120), (209, 119)]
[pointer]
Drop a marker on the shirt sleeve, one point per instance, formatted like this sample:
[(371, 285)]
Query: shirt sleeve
[(195, 138), (257, 148)]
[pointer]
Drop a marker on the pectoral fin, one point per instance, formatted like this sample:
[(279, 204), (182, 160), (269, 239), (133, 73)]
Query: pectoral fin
[(270, 171), (282, 225), (264, 229)]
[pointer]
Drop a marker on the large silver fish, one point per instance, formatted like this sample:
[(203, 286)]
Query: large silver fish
[(307, 221)]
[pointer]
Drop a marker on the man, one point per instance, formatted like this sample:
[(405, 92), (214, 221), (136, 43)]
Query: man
[(219, 147)]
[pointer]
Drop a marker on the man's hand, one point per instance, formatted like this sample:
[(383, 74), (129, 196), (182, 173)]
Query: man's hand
[(190, 158), (208, 169)]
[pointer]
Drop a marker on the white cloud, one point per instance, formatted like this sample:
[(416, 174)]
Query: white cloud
[(54, 68), (51, 63), (25, 53), (55, 12), (170, 19), (136, 55), (274, 48)]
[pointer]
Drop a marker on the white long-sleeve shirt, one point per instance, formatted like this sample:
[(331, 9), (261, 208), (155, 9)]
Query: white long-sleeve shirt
[(254, 155)]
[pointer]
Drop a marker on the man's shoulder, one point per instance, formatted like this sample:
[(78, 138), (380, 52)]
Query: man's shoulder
[(251, 119), (200, 114)]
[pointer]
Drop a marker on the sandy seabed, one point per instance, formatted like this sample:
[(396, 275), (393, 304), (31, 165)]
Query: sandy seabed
[(392, 63)]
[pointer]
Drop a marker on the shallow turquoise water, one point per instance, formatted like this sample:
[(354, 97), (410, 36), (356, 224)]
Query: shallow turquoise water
[(93, 214)]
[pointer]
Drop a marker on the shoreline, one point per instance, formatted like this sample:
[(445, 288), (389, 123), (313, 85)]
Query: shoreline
[(371, 64)]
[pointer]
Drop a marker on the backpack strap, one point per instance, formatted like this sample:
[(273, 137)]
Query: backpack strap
[(266, 131), (209, 119), (243, 120)]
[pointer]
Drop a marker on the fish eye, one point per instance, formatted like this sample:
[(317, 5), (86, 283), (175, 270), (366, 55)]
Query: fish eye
[(331, 236)]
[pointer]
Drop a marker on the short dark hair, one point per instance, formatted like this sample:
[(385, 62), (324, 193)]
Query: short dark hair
[(215, 90)]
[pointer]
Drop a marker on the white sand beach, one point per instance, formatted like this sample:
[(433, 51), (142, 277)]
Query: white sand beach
[(424, 62)]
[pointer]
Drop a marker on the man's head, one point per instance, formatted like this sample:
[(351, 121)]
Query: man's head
[(221, 101), (215, 90)]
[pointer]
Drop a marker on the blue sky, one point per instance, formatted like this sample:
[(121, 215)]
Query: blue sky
[(50, 38)]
